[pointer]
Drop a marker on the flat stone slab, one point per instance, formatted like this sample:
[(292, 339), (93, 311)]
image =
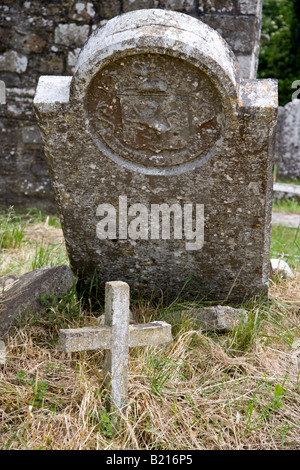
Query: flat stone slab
[(283, 191), (24, 296), (288, 220), (217, 318)]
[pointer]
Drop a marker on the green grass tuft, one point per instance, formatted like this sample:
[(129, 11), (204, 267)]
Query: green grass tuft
[(289, 206), (11, 230), (285, 244)]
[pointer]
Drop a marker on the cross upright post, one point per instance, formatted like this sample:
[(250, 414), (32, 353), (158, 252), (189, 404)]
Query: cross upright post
[(2, 93), (116, 337), (116, 358)]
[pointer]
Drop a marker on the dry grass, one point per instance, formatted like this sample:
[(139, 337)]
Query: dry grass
[(198, 392), (231, 391)]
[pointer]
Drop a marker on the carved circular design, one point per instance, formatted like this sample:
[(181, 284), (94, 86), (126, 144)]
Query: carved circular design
[(152, 111)]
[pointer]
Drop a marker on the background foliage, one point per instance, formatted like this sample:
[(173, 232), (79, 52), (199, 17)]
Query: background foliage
[(280, 56)]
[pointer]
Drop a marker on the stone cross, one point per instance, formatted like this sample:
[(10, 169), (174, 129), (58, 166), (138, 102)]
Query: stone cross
[(161, 158), (116, 337), (2, 352)]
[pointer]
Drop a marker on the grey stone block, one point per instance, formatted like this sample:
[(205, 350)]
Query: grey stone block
[(287, 220), (218, 318), (131, 5), (6, 281), (12, 61), (187, 6), (109, 9), (71, 34), (239, 31)]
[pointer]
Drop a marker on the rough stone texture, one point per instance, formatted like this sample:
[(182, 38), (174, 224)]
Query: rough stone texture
[(131, 5), (91, 338), (38, 38), (244, 34), (239, 23), (165, 118), (218, 318), (12, 61), (6, 281), (24, 296), (71, 34), (149, 334), (288, 141)]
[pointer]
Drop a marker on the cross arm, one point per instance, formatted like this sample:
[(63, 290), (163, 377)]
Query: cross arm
[(149, 334), (83, 339), (99, 337)]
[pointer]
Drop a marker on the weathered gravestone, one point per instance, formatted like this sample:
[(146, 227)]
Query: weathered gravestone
[(288, 141), (116, 337), (161, 158)]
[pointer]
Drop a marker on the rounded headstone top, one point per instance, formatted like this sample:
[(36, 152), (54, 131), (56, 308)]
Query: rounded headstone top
[(157, 31), (158, 90)]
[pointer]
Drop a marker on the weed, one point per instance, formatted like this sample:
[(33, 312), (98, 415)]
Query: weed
[(160, 371), (285, 244), (43, 256), (88, 289), (11, 230), (245, 333), (106, 423), (35, 216), (40, 394)]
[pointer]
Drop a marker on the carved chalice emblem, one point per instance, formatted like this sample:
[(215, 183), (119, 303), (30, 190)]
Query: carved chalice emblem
[(153, 118), (155, 114)]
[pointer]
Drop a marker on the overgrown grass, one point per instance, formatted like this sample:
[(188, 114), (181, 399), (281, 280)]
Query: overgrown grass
[(11, 230), (233, 390)]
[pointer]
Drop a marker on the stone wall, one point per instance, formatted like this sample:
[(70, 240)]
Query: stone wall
[(44, 38)]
